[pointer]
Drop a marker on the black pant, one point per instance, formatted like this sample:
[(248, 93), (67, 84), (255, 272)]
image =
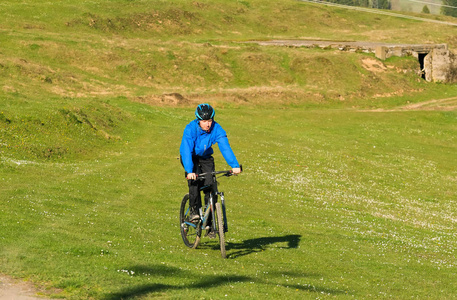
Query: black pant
[(201, 165)]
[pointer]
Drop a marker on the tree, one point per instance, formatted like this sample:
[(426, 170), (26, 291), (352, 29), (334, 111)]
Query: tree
[(384, 4), (425, 10), (449, 8)]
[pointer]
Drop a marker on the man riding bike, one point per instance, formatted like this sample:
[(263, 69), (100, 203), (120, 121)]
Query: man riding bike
[(196, 153)]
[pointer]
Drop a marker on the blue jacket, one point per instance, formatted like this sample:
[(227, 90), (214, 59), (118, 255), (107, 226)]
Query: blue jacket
[(197, 142)]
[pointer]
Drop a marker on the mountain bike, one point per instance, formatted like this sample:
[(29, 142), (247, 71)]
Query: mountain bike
[(213, 214)]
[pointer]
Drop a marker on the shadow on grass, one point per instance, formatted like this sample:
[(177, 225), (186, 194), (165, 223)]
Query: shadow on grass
[(250, 246), (261, 244), (142, 290), (161, 272)]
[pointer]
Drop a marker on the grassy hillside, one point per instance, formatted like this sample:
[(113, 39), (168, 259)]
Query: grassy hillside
[(349, 182), (150, 48)]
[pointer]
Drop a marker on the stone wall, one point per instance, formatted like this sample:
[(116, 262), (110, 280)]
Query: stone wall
[(441, 66), (385, 51)]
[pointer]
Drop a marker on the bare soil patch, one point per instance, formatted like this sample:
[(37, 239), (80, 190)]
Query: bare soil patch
[(17, 289), (12, 289), (373, 65)]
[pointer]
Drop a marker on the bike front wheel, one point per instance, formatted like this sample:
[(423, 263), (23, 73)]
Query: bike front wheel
[(220, 229), (190, 231)]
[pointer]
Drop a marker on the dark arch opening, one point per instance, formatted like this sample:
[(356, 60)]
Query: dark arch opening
[(421, 58)]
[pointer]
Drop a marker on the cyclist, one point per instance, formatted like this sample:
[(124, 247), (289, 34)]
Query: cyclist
[(196, 153)]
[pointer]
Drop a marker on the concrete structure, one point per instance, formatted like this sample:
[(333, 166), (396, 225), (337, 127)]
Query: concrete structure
[(437, 62), (385, 51), (440, 65)]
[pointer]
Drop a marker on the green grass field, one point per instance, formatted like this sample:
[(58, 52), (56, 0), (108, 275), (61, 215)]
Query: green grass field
[(331, 203), (347, 191)]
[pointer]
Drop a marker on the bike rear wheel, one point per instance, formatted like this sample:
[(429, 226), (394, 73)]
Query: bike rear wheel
[(220, 229), (190, 231)]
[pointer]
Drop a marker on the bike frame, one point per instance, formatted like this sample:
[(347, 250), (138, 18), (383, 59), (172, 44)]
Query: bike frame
[(210, 206)]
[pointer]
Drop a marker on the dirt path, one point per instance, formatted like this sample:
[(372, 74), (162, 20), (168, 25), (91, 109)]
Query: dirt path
[(447, 104), (11, 289), (441, 104)]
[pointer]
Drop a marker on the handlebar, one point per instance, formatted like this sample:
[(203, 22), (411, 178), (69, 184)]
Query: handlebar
[(227, 173)]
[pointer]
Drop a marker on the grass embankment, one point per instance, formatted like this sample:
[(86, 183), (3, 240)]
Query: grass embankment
[(147, 49), (334, 201)]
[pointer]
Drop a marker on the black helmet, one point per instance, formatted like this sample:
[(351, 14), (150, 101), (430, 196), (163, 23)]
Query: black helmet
[(204, 112)]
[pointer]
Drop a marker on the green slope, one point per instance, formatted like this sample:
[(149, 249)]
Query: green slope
[(348, 189)]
